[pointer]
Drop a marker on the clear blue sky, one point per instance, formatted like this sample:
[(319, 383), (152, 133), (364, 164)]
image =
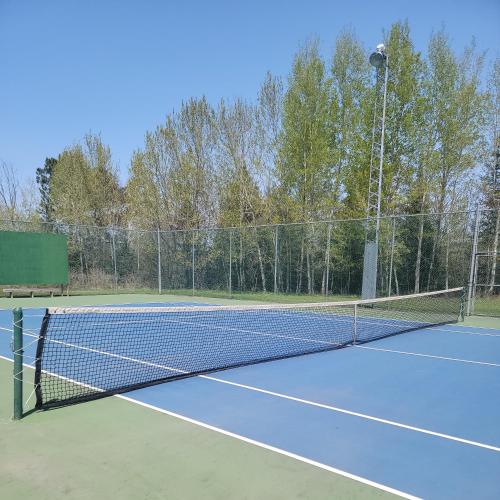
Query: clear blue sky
[(118, 67)]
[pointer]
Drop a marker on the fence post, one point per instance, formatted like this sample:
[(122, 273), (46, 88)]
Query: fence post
[(355, 325), (473, 261), (328, 241), (392, 254), (113, 244), (192, 264), (17, 348), (230, 262), (276, 259), (159, 260)]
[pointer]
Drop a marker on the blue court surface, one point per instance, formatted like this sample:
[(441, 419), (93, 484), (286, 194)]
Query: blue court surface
[(417, 413)]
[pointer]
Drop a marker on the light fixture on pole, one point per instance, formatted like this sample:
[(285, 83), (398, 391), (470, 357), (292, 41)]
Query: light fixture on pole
[(379, 61)]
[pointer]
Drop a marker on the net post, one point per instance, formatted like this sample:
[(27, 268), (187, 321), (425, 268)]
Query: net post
[(355, 324), (17, 349)]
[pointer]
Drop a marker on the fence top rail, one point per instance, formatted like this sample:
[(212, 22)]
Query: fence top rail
[(219, 228)]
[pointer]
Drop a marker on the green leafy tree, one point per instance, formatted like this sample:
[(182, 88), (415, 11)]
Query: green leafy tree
[(457, 110), (84, 185), (491, 176), (304, 166), (350, 81), (172, 180)]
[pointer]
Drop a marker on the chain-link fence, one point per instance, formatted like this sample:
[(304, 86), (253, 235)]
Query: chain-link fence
[(486, 288), (416, 253)]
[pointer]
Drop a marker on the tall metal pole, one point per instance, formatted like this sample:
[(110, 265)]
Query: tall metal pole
[(370, 261), (381, 163)]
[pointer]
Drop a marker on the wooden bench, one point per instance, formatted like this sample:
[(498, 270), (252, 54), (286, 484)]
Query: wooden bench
[(31, 291)]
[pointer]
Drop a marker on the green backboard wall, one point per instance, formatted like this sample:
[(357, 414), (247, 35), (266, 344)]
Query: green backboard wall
[(33, 259)]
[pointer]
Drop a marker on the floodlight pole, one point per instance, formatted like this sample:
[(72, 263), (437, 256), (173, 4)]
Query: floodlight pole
[(379, 60), (381, 163)]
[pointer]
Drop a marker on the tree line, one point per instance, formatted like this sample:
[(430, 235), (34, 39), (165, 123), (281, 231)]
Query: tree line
[(300, 152)]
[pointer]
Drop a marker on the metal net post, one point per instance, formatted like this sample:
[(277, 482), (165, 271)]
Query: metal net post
[(17, 348)]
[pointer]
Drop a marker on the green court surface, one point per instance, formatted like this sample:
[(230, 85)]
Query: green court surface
[(113, 448)]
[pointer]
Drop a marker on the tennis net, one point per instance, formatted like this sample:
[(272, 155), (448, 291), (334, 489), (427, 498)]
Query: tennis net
[(91, 352)]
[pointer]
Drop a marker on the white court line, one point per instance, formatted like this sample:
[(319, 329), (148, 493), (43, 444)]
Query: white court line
[(460, 360), (320, 405), (481, 327), (280, 451), (259, 444), (343, 410), (357, 414), (463, 333)]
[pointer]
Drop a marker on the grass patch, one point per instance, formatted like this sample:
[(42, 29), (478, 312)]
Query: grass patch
[(223, 294), (487, 306)]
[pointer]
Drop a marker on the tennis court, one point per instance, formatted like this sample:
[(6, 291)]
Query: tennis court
[(412, 415)]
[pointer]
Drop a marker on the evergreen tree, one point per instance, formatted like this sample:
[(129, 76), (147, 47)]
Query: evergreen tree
[(43, 179)]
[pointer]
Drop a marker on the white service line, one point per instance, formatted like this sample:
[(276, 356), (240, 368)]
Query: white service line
[(463, 332), (356, 414), (280, 451), (445, 358), (324, 406), (481, 327), (285, 453)]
